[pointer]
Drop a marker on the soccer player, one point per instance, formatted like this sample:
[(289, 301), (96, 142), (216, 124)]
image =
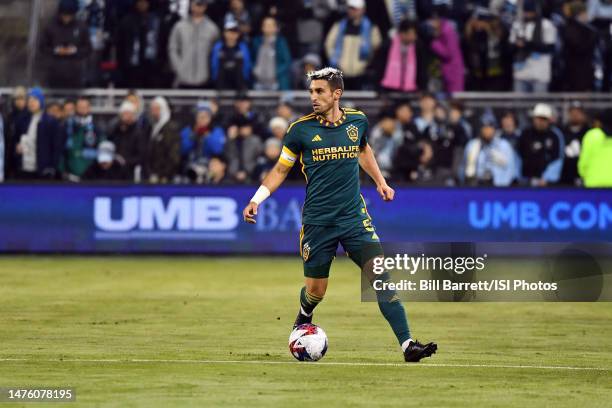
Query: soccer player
[(331, 143)]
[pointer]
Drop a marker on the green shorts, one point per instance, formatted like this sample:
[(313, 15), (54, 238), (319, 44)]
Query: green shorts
[(318, 245)]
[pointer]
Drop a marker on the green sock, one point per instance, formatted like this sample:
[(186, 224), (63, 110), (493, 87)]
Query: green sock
[(308, 301), (393, 310)]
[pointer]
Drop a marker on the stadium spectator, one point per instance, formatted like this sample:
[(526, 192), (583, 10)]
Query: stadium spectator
[(106, 166), (272, 70), (240, 15), (242, 149), (384, 139), (68, 108), (286, 110), (163, 152), (427, 103), (447, 140), (278, 127), (579, 44), (231, 60), (18, 113), (128, 138), (265, 162), (446, 46), (461, 126), (142, 121), (81, 139), (243, 109), (405, 121), (67, 47), (406, 60), (137, 40), (54, 109), (600, 15), (38, 141), (488, 159), (216, 173), (190, 45), (574, 131), (310, 22), (310, 62), (541, 149), (595, 162), (201, 141), (509, 128), (533, 43), (486, 43), (414, 162), (351, 43)]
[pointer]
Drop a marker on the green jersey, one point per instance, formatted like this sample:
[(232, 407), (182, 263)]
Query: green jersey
[(329, 155)]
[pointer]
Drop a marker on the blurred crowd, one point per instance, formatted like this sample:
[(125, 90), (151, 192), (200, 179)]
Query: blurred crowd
[(427, 141), (395, 45)]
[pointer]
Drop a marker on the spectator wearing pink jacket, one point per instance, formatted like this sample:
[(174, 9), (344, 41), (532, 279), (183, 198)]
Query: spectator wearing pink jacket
[(446, 46)]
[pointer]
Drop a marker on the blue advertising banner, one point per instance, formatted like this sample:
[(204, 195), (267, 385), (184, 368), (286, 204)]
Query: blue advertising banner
[(187, 219)]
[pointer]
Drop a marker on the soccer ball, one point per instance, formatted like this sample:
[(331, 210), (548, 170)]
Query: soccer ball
[(308, 342)]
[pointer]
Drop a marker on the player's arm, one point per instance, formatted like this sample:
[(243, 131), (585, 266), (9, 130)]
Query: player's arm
[(270, 184), (367, 161)]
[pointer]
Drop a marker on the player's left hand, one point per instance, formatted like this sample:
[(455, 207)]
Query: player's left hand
[(386, 192)]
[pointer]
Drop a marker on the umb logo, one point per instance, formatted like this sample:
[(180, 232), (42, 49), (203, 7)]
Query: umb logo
[(178, 218)]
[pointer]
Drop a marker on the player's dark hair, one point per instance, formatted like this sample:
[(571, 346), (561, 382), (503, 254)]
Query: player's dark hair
[(333, 76)]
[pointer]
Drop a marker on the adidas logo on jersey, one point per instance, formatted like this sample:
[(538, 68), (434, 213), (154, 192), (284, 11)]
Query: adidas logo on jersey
[(317, 138)]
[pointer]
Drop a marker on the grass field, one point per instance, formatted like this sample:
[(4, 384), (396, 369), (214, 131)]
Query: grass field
[(165, 332)]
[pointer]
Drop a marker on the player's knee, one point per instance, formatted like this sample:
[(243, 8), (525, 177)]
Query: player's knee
[(316, 287)]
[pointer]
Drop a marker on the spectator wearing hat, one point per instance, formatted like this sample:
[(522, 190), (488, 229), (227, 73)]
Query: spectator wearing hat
[(385, 138), (406, 60), (269, 158), (488, 159), (128, 137), (189, 47), (351, 44), (18, 112), (203, 139), (272, 70), (541, 148), (38, 141), (138, 42), (533, 44), (81, 139), (595, 162), (574, 131), (67, 47), (106, 167), (278, 127), (231, 60), (163, 151), (242, 149), (579, 44)]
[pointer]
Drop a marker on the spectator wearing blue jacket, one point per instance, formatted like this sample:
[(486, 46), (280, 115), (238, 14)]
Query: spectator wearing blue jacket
[(201, 141), (38, 141), (488, 159), (272, 58), (230, 60)]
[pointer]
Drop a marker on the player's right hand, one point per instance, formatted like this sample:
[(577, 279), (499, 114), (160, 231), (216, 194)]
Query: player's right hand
[(249, 212)]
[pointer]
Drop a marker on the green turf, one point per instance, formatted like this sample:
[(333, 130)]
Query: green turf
[(54, 310)]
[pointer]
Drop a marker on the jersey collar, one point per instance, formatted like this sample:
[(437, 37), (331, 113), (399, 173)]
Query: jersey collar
[(325, 122)]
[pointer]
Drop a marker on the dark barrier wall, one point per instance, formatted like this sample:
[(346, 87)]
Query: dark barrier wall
[(44, 218)]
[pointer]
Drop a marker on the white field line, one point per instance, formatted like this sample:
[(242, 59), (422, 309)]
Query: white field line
[(331, 363)]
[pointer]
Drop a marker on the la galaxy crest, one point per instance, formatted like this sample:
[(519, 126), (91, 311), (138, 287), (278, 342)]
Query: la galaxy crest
[(353, 132), (306, 251)]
